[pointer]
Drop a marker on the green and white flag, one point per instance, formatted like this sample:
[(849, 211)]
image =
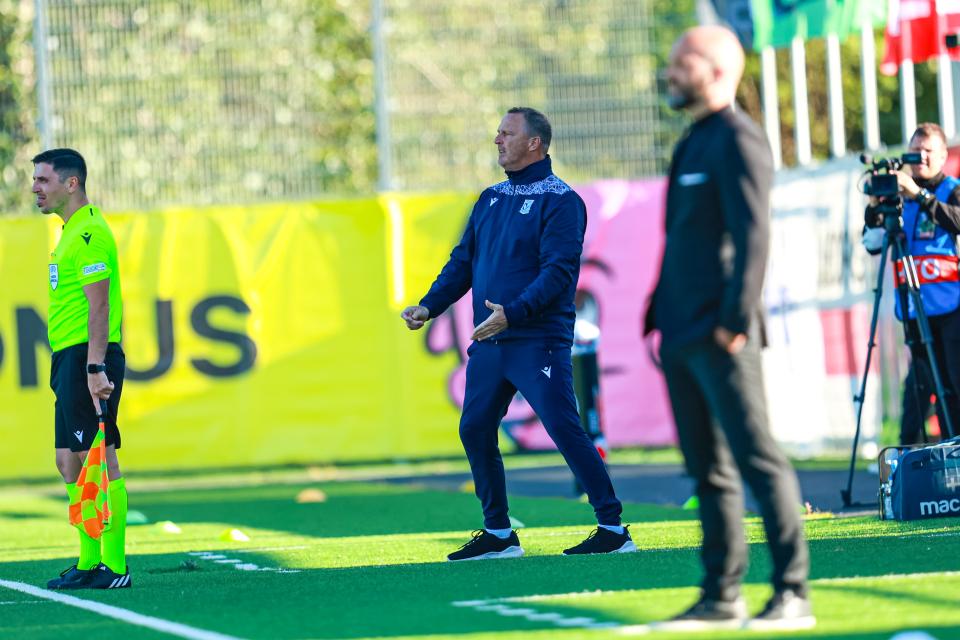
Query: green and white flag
[(777, 22)]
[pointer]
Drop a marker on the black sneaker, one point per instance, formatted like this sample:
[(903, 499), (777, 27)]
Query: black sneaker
[(102, 577), (71, 578), (785, 611), (707, 614), (603, 540), (485, 545)]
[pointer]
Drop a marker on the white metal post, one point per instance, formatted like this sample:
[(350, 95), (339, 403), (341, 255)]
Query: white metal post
[(771, 102), (908, 101), (381, 100), (43, 73), (945, 95), (801, 111), (868, 77), (838, 139)]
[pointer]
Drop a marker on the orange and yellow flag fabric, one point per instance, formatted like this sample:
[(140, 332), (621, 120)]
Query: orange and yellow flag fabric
[(92, 513)]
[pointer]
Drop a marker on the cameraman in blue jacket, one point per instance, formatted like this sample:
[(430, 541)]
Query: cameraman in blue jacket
[(520, 253), (931, 222)]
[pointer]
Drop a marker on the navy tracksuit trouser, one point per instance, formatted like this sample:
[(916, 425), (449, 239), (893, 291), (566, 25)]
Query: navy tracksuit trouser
[(496, 370)]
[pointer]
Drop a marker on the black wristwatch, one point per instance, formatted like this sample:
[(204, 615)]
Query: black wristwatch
[(924, 197), (96, 368)]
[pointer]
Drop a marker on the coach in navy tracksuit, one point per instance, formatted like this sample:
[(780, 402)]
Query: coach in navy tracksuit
[(520, 254)]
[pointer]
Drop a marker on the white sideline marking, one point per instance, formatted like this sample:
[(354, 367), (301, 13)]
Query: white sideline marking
[(236, 563), (261, 549), (124, 615), (889, 576), (598, 592), (497, 606), (503, 606), (531, 598)]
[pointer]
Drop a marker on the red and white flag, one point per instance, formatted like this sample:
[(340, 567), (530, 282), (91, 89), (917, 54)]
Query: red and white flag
[(917, 29)]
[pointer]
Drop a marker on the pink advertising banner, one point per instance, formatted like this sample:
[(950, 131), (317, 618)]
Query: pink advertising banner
[(621, 256), (817, 307)]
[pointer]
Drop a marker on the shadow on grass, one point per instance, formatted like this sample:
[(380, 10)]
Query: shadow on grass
[(355, 509)]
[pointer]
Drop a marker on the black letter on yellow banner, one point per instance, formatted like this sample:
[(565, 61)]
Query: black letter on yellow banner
[(201, 324), (164, 311), (31, 331)]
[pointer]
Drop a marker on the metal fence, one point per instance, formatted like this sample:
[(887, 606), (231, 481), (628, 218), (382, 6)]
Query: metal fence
[(591, 65), (177, 102)]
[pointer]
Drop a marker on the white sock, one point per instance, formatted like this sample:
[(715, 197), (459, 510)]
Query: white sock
[(503, 534), (616, 529)]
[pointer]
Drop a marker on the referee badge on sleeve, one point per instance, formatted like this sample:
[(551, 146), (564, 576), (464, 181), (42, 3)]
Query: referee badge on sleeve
[(54, 276)]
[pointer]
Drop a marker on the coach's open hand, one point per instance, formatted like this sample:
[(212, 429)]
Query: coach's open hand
[(493, 325), (415, 316)]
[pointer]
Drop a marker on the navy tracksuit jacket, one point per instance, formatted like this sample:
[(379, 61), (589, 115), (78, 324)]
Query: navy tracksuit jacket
[(521, 249)]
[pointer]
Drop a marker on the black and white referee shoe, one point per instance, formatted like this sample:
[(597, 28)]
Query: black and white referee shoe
[(71, 578), (603, 540), (102, 577), (484, 545)]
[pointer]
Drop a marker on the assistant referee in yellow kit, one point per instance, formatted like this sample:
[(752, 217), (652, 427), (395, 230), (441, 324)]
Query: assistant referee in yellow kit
[(88, 364)]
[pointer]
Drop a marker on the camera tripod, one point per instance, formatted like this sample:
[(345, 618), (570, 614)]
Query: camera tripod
[(908, 290)]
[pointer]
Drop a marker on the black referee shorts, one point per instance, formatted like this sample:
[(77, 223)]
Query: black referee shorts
[(76, 418)]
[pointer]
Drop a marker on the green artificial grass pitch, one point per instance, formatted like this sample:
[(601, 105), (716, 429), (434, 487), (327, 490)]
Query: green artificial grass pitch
[(282, 560)]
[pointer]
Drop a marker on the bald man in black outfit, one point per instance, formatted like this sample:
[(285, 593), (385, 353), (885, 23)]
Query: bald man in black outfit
[(708, 308)]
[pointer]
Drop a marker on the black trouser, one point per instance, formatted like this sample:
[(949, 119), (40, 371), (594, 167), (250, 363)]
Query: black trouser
[(918, 386), (916, 405), (721, 415)]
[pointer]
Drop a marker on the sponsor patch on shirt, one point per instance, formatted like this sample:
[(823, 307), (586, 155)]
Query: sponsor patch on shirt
[(91, 269), (691, 179)]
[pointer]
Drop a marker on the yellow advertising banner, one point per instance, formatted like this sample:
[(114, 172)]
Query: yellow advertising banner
[(255, 335)]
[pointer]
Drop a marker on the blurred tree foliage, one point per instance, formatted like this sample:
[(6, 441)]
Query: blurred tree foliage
[(589, 65), (226, 101), (213, 101), (17, 133)]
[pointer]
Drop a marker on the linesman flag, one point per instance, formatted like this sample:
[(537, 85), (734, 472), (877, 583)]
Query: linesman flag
[(917, 31), (92, 513)]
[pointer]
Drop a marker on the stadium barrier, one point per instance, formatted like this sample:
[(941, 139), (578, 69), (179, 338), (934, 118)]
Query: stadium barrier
[(269, 334)]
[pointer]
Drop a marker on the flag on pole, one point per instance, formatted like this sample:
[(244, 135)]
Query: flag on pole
[(917, 31), (777, 22), (92, 513)]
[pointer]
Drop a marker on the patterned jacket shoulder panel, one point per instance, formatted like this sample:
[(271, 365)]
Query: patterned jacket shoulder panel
[(550, 184)]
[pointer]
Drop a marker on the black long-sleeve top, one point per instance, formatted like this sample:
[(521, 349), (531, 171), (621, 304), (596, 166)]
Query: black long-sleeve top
[(717, 230)]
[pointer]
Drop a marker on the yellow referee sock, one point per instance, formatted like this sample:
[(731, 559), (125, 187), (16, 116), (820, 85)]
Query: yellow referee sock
[(114, 538)]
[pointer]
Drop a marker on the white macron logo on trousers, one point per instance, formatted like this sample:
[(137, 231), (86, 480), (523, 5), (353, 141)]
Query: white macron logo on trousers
[(546, 371), (79, 435)]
